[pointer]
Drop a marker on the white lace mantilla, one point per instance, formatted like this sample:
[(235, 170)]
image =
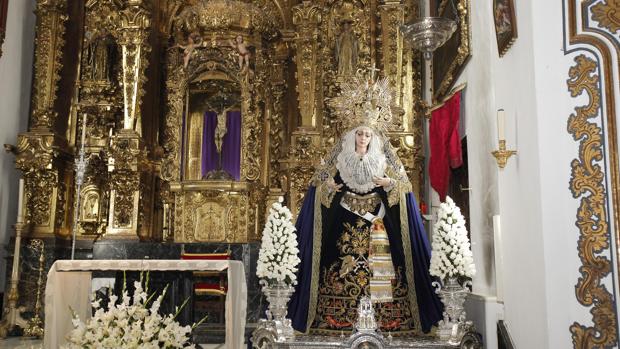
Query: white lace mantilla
[(358, 170)]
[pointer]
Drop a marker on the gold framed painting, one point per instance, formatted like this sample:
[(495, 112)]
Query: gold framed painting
[(505, 24)]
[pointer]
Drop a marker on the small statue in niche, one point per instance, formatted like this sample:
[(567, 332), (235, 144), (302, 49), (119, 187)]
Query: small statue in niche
[(346, 50), (91, 207), (97, 56), (243, 51)]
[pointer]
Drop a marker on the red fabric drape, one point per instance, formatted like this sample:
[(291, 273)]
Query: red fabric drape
[(445, 144)]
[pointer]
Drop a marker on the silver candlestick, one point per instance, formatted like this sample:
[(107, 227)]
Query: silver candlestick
[(80, 170)]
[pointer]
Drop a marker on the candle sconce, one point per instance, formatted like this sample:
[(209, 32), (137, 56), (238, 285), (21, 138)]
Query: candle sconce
[(502, 155)]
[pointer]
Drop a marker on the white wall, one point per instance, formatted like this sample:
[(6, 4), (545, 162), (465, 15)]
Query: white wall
[(531, 195), (15, 83), (479, 104)]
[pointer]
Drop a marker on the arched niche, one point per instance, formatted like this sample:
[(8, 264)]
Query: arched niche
[(213, 128), (229, 206)]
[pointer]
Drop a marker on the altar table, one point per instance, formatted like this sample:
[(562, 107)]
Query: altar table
[(69, 285)]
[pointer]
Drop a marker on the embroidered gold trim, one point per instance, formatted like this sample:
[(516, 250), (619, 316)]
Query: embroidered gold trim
[(316, 259), (361, 204), (404, 229), (326, 195)]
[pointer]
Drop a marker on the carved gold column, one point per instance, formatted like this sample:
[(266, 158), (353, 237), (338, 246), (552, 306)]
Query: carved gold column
[(127, 157), (129, 171), (277, 124), (41, 153), (307, 18), (132, 34), (392, 17), (51, 18)]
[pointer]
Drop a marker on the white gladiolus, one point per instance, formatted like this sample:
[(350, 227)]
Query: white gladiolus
[(129, 324), (277, 258), (451, 249)]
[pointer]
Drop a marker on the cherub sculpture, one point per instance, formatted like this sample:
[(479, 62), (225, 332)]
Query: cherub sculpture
[(244, 53), (193, 41)]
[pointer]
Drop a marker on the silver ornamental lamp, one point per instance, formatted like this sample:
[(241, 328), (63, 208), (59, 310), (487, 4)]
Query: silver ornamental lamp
[(427, 34)]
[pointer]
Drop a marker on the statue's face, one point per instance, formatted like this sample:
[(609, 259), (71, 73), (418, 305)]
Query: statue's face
[(363, 135)]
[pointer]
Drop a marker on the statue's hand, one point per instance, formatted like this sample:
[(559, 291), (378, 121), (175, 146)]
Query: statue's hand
[(331, 184), (382, 181)]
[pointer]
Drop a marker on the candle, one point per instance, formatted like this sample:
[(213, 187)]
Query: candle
[(165, 223), (501, 119), (256, 221), (20, 202), (83, 128)]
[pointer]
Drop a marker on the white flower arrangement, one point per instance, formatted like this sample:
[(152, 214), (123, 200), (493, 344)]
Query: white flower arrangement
[(451, 256), (278, 255), (130, 324)]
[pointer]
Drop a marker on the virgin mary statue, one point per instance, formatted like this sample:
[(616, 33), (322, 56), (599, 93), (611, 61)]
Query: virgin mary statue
[(360, 233)]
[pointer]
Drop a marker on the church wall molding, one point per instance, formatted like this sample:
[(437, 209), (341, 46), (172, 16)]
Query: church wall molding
[(595, 175)]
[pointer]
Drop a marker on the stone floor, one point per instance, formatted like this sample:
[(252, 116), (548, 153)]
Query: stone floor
[(21, 343)]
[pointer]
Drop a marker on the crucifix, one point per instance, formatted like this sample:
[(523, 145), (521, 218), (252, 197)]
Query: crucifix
[(373, 70)]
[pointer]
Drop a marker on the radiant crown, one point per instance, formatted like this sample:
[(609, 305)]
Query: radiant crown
[(363, 101)]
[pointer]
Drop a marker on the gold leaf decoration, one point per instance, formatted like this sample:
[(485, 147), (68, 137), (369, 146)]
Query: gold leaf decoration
[(607, 14), (587, 183)]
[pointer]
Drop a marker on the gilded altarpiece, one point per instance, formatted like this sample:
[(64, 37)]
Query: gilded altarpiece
[(138, 78), (223, 58), (140, 72)]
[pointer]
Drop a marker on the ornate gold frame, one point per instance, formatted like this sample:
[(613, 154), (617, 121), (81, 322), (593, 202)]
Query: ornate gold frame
[(504, 41), (450, 59)]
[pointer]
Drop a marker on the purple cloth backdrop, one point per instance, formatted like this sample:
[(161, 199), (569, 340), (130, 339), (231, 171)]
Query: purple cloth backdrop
[(231, 145)]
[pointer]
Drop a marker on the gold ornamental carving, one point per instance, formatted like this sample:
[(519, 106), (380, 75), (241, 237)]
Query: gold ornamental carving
[(307, 18), (49, 42), (123, 214), (35, 151), (41, 157), (588, 183), (132, 34), (222, 58), (303, 158), (392, 17), (205, 214), (457, 57), (127, 165), (262, 16), (253, 53), (277, 117)]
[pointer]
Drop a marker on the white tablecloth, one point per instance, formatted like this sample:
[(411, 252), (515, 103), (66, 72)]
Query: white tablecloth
[(69, 285)]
